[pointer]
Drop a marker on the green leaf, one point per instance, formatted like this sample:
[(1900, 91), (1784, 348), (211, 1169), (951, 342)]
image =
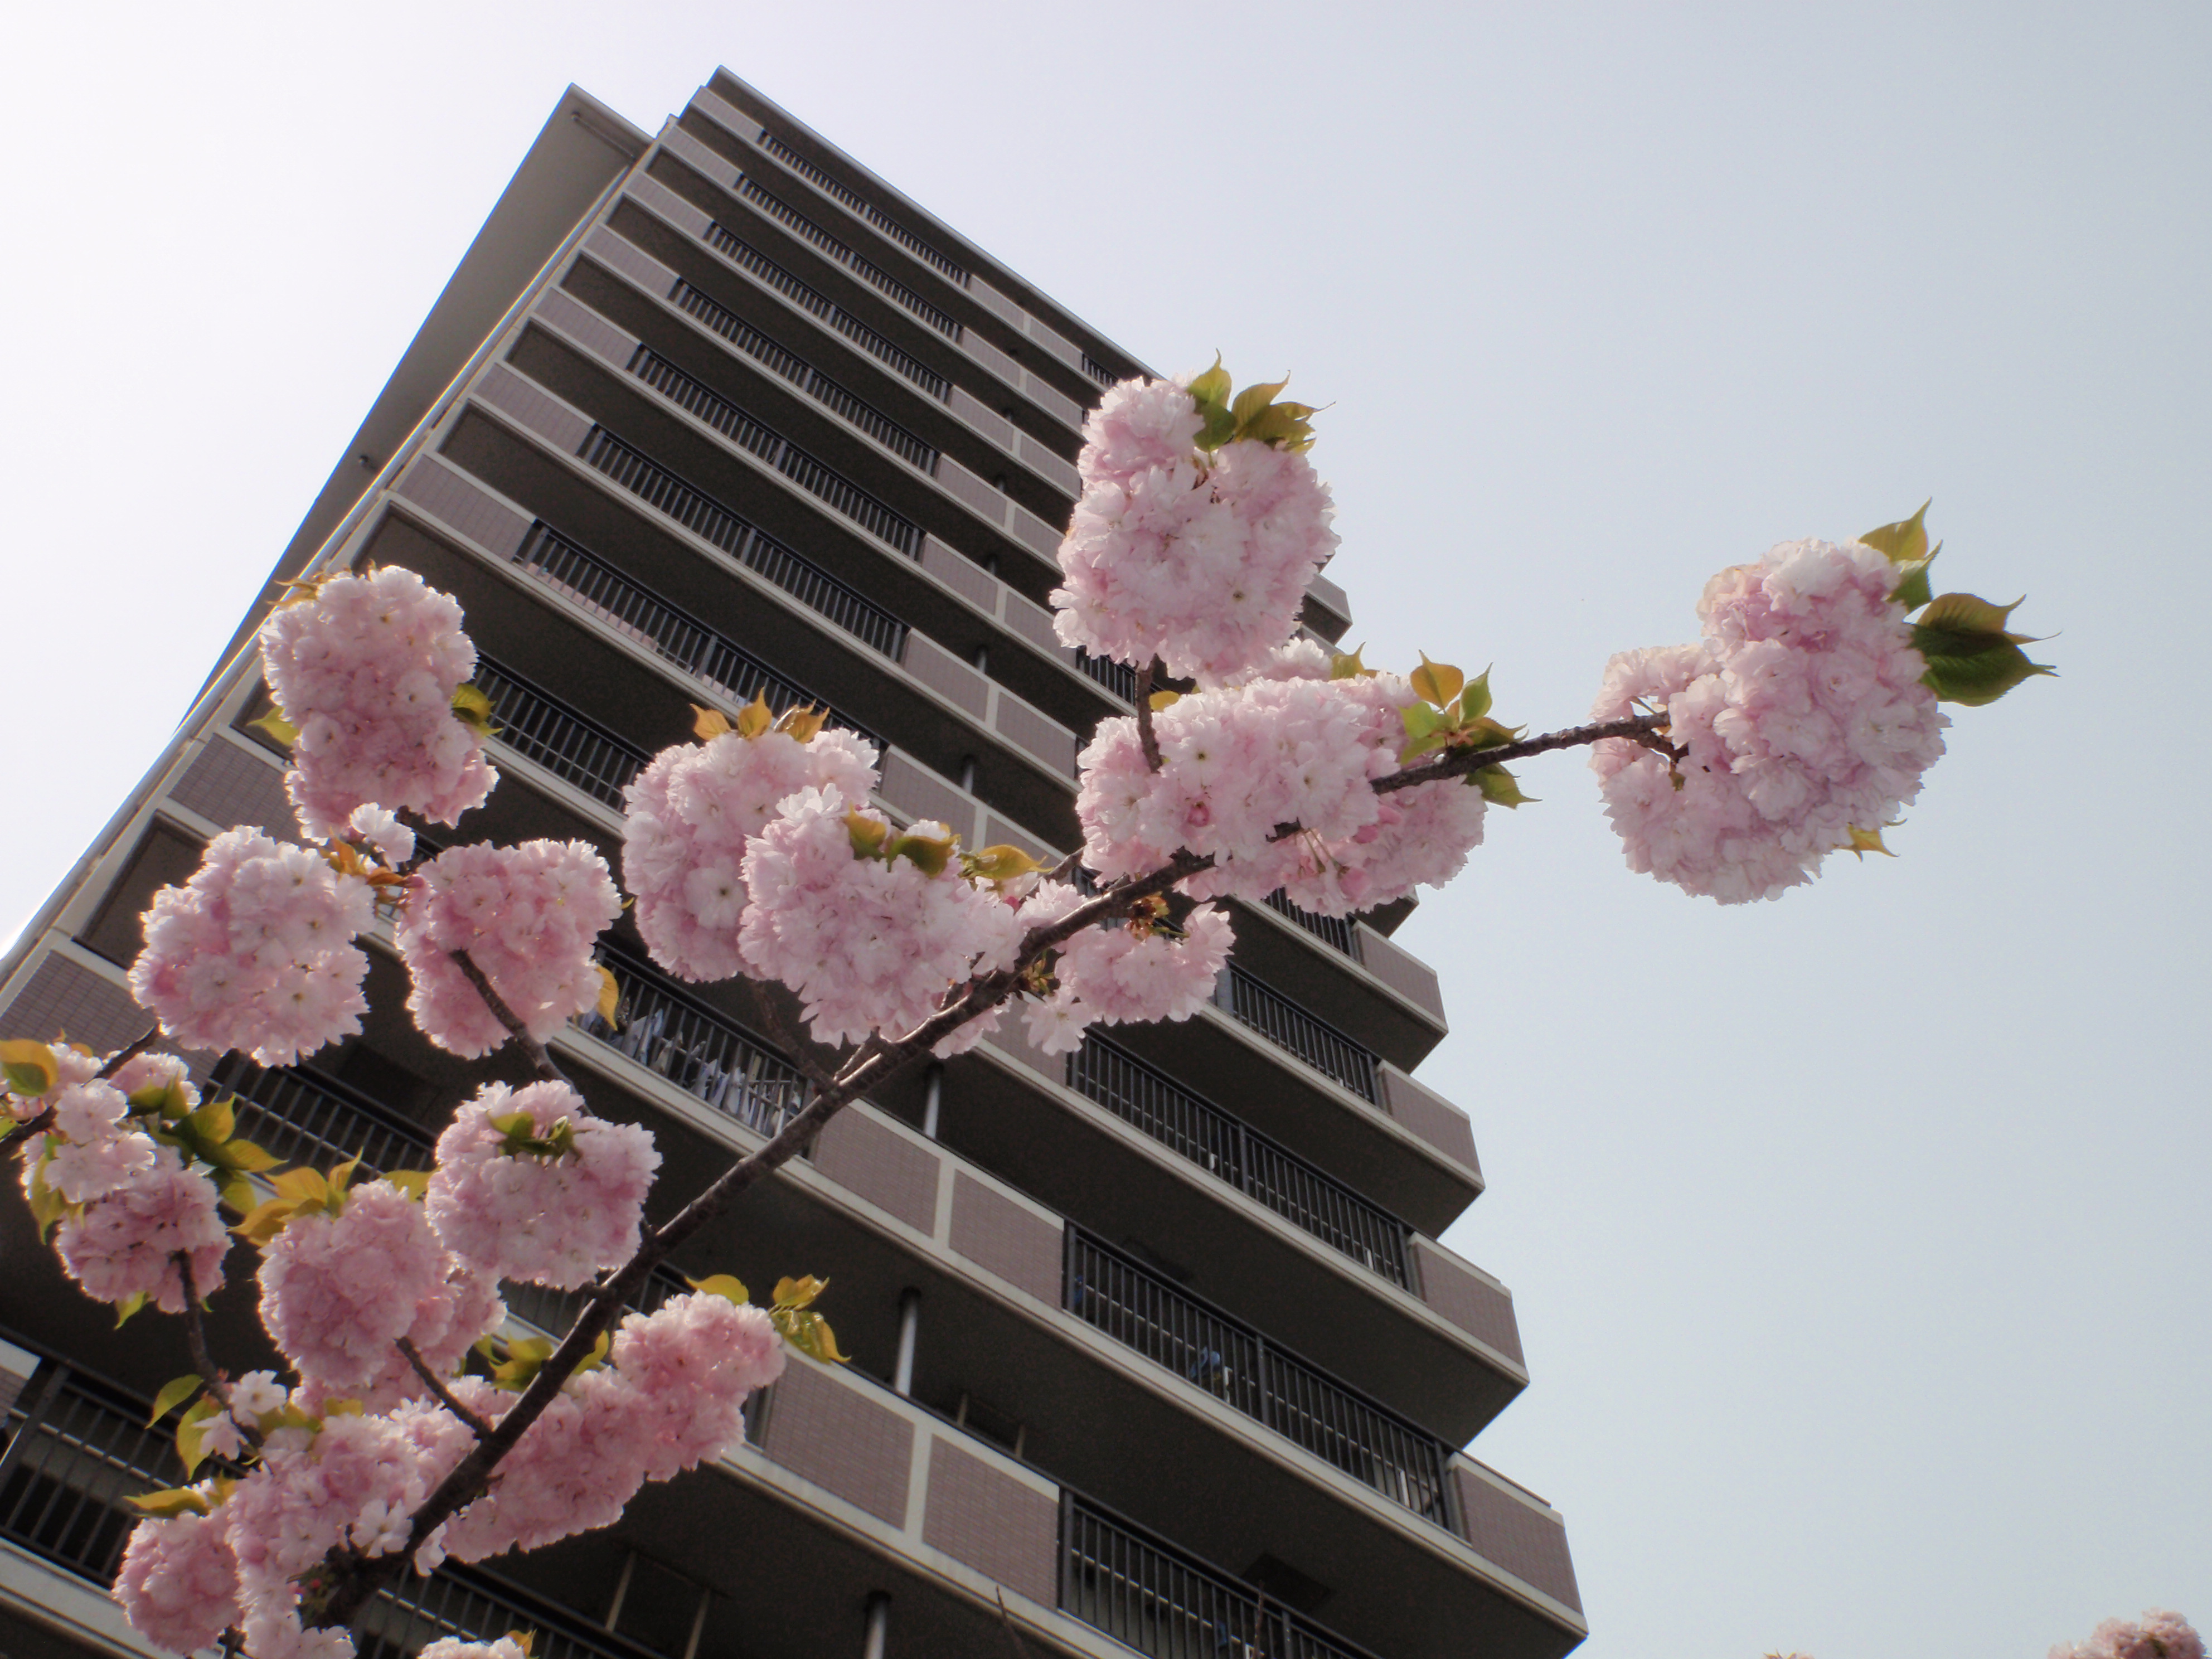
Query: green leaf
[(1254, 399), (124, 1308), (1499, 788), (175, 1501), (30, 1067), (1437, 682), (262, 1222), (472, 709), (1964, 613), (1971, 660), (728, 1286), (1913, 591), (1420, 720), (1863, 841), (799, 1293), (275, 724), (609, 1003), (1343, 665), (868, 834), (1003, 862), (241, 1195), (1486, 733), (928, 854), (810, 1334), (1160, 700), (243, 1155), (1213, 386), (1475, 701), (416, 1183), (802, 724), (1905, 542), (173, 1393), (214, 1122)]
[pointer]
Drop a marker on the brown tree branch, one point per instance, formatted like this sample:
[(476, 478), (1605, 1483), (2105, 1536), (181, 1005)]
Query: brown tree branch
[(123, 1057), (195, 1344), (1641, 729), (1148, 739), (539, 1058), (44, 1120), (433, 1382)]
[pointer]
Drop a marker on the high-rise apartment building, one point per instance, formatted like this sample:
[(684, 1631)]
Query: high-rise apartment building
[(1153, 1346)]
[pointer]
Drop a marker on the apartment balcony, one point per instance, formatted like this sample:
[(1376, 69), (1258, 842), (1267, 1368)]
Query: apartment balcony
[(1378, 994)]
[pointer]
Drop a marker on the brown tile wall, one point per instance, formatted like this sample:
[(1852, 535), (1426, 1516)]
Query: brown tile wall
[(1034, 623), (1430, 1116), (696, 157), (1001, 1527), (586, 327), (556, 423), (632, 261), (436, 488), (979, 415), (1040, 537), (1527, 1542), (651, 194), (882, 1166), (941, 671), (1050, 741), (919, 795), (967, 487), (1470, 1302), (837, 1438), (228, 785), (63, 998), (962, 575), (1000, 1235), (1407, 975)]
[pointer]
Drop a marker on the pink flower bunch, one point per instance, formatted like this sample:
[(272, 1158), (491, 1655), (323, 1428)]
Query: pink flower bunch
[(366, 668), (1121, 973), (451, 1647), (256, 952), (1803, 713), (1236, 764), (691, 811), (178, 1582), (90, 1151), (671, 1398), (527, 915), (464, 1306), (123, 1245), (546, 1217), (2158, 1635), (1202, 561), (337, 1291), (868, 944)]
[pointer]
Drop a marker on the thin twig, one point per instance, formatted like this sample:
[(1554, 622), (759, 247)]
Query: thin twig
[(195, 1344), (431, 1380), (44, 1120), (1146, 738), (506, 1016), (123, 1057), (1642, 729), (780, 1033), (1013, 1637)]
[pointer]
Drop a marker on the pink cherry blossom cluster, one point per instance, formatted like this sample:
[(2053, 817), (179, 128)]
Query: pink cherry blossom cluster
[(542, 1217), (1286, 745), (1123, 972), (1200, 561), (453, 1647), (134, 1203), (256, 952), (1803, 713), (2157, 1635), (527, 915), (690, 813), (339, 1291), (869, 945), (366, 668)]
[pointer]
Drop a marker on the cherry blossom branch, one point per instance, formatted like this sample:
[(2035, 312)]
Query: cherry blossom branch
[(355, 1580), (1642, 729), (540, 1057), (780, 1032), (44, 1120), (1147, 738), (436, 1385)]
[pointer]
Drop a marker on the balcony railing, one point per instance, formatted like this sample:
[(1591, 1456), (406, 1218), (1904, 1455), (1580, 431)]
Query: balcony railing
[(304, 1117), (1237, 1366), (1329, 930), (1243, 1158), (804, 375), (1288, 1026), (866, 270), (1117, 677), (750, 259), (77, 1448), (693, 646), (702, 514), (696, 1048), (815, 476), (1148, 1594), (540, 727), (838, 191)]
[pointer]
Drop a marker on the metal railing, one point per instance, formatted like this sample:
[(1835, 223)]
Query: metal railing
[(816, 477), (1242, 1157), (303, 1117), (1235, 1364), (1290, 1027), (866, 270), (1329, 930), (750, 259), (837, 189), (701, 651), (1098, 371), (78, 1447), (540, 727), (695, 1047), (1148, 1594), (1115, 675), (705, 517)]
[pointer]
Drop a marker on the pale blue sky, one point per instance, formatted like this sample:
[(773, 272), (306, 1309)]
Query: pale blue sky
[(1859, 1240)]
